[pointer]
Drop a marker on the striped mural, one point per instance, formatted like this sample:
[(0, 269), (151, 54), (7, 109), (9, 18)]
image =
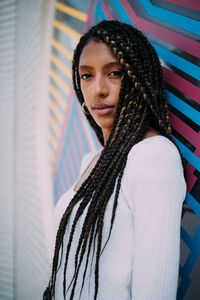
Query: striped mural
[(173, 27), (69, 139)]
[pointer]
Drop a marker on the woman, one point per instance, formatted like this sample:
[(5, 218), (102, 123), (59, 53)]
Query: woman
[(119, 224)]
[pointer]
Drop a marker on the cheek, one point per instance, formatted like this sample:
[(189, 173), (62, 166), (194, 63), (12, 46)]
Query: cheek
[(84, 91), (116, 91)]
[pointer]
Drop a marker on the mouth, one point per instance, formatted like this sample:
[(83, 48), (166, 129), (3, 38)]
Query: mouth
[(102, 109)]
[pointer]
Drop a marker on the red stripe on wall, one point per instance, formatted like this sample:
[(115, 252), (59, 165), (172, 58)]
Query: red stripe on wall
[(182, 85), (187, 132), (106, 11), (191, 4)]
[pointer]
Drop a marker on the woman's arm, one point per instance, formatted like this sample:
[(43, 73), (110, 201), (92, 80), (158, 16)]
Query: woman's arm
[(157, 189)]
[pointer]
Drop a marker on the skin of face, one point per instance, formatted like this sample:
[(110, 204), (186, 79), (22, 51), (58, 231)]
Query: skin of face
[(100, 77)]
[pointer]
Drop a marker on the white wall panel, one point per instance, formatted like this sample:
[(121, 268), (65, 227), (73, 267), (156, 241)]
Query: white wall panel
[(31, 251), (7, 77), (26, 206)]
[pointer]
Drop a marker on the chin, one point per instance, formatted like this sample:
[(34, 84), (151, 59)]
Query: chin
[(105, 126)]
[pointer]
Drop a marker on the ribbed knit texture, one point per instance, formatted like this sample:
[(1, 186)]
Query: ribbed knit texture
[(141, 259)]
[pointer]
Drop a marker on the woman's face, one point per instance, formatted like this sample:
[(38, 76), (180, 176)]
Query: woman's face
[(100, 75)]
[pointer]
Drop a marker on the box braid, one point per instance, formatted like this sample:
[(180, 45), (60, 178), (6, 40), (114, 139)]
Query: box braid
[(142, 102)]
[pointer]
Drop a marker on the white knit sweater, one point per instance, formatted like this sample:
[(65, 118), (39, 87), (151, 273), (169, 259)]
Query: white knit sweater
[(141, 259)]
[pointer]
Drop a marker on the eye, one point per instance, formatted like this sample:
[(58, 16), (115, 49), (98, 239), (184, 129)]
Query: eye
[(85, 76), (115, 73)]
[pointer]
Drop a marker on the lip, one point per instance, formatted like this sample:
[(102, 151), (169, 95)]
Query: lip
[(102, 109), (101, 105)]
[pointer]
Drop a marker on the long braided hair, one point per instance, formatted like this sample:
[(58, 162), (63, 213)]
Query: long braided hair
[(142, 103)]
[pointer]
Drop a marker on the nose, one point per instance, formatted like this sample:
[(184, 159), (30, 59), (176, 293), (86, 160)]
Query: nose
[(100, 87)]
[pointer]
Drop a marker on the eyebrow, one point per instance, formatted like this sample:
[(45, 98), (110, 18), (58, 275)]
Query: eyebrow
[(110, 64)]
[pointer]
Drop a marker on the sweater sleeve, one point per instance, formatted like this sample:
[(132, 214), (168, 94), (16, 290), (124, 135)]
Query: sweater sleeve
[(155, 189)]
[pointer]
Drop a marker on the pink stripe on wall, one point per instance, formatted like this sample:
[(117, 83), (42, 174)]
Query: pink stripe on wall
[(74, 151), (62, 184), (90, 17), (71, 167), (191, 4), (177, 40), (106, 11), (66, 173), (187, 132), (182, 85), (78, 138), (197, 150)]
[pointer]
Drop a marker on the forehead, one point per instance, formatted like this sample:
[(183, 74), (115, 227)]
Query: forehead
[(96, 52)]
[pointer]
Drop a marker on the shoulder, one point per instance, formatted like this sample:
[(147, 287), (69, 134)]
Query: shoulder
[(157, 144), (154, 174), (155, 160), (153, 154)]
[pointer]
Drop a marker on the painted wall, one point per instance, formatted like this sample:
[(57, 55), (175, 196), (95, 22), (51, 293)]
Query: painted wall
[(173, 28), (44, 134)]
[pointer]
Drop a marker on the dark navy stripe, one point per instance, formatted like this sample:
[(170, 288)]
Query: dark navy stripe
[(191, 157), (176, 102), (193, 59), (183, 97), (177, 20), (184, 118), (184, 11), (181, 73), (183, 140)]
